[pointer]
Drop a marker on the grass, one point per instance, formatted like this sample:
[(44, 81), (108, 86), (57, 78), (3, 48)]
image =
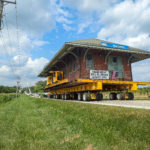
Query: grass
[(36, 124), (6, 97)]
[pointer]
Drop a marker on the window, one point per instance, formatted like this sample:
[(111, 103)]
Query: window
[(89, 61), (73, 66), (115, 60)]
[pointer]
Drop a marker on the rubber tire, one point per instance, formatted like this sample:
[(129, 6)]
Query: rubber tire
[(63, 96), (80, 96), (67, 96), (86, 96), (112, 96), (120, 96), (57, 96), (99, 97), (131, 96), (75, 96)]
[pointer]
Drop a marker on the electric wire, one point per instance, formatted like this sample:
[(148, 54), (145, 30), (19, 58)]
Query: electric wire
[(7, 55), (9, 38), (17, 32), (18, 41)]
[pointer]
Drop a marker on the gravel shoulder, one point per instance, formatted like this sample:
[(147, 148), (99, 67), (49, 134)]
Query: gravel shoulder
[(143, 104)]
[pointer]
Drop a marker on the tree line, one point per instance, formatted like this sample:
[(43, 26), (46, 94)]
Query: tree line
[(7, 89)]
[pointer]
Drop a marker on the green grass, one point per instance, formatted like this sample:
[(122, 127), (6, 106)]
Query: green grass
[(6, 97), (37, 124)]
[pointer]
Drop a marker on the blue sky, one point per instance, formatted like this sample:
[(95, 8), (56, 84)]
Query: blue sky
[(45, 25)]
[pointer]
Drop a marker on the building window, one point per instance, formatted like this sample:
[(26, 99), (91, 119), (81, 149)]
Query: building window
[(89, 61), (73, 66), (115, 60)]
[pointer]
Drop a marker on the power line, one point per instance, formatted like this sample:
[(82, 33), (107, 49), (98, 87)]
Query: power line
[(17, 32), (7, 55), (10, 41)]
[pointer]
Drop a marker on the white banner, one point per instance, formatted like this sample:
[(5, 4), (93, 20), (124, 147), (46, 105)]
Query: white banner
[(99, 74)]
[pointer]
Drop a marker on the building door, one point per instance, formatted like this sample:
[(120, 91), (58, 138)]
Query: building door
[(115, 66)]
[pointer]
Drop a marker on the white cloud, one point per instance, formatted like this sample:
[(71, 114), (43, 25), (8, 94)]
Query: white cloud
[(40, 43), (67, 28), (28, 71), (127, 22), (141, 71), (34, 16), (87, 11), (82, 26), (88, 6)]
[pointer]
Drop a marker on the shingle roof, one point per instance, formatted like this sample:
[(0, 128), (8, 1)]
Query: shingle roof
[(138, 54)]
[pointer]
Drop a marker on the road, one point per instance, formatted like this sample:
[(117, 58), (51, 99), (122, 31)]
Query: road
[(141, 104)]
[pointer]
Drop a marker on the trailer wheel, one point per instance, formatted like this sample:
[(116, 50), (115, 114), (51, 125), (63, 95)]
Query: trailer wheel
[(75, 96), (54, 96), (66, 96), (131, 96), (57, 96), (63, 96), (80, 97), (120, 96), (99, 96), (86, 96), (112, 96)]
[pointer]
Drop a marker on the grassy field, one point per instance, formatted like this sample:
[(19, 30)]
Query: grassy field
[(37, 124), (7, 97)]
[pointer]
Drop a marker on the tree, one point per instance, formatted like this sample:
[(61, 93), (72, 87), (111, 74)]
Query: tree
[(39, 86)]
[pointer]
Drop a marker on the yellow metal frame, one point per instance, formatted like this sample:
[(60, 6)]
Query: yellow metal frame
[(95, 85), (55, 78), (56, 84)]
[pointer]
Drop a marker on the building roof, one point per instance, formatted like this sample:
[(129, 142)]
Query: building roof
[(135, 53)]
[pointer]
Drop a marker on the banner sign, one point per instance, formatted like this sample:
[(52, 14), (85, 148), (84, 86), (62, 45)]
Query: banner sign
[(111, 45), (99, 74)]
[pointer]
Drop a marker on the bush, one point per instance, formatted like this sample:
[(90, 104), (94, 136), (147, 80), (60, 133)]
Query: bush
[(5, 98)]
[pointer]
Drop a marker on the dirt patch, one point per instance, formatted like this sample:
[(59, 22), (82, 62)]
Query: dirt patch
[(90, 147)]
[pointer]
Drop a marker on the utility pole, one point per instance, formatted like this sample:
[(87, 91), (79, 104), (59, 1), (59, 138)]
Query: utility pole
[(2, 3), (18, 88)]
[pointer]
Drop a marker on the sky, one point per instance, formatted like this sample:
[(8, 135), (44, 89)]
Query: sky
[(43, 26)]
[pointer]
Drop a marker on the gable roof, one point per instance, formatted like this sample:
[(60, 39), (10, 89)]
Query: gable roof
[(138, 54)]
